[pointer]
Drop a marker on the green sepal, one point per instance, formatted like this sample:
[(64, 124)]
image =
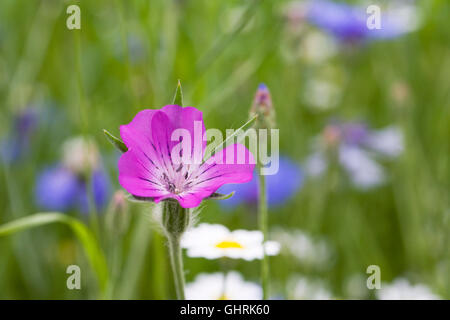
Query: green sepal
[(138, 199), (116, 142), (220, 196), (178, 97)]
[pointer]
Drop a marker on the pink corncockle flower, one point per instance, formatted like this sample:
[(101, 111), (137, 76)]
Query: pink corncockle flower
[(152, 168)]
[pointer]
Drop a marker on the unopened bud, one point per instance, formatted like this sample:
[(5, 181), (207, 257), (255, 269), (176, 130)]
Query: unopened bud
[(263, 108), (117, 218)]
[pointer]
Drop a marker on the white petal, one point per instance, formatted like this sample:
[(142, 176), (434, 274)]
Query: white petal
[(363, 171), (401, 289), (272, 248), (388, 142), (216, 285)]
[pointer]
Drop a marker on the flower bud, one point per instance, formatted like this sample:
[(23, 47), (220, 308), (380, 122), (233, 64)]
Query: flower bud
[(263, 108), (117, 218)]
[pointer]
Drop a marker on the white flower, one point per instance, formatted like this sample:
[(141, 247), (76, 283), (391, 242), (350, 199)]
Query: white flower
[(218, 286), (302, 288), (401, 289), (212, 241), (321, 94), (80, 154), (318, 47)]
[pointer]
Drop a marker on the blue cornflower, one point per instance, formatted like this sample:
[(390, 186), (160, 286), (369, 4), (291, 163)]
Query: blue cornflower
[(280, 187), (348, 23), (60, 189), (64, 186)]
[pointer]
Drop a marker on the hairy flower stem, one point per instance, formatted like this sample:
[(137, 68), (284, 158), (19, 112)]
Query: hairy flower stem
[(175, 221), (176, 261), (263, 226)]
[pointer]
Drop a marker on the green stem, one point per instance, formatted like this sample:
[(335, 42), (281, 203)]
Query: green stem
[(176, 261), (175, 221), (263, 226)]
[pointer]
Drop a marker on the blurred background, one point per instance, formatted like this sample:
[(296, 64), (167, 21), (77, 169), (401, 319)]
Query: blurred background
[(364, 140)]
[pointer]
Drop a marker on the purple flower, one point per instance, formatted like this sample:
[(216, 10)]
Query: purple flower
[(148, 168), (348, 23), (280, 187), (60, 189)]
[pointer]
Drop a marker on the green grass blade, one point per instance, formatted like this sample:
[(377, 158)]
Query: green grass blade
[(87, 239)]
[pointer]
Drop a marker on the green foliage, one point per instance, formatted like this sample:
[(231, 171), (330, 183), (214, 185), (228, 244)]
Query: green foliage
[(84, 235), (127, 57)]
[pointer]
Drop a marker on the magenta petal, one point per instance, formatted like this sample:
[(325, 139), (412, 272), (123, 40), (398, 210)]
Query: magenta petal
[(191, 119), (138, 131), (221, 169), (191, 199), (162, 129), (136, 179)]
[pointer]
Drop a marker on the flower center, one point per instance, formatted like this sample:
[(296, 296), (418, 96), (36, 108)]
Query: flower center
[(223, 297), (172, 186), (229, 245)]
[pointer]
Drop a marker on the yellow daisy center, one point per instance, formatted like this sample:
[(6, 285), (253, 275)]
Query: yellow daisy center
[(223, 297), (229, 245)]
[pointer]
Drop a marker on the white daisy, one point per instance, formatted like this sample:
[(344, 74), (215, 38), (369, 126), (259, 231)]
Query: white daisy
[(212, 241), (402, 289), (219, 286)]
